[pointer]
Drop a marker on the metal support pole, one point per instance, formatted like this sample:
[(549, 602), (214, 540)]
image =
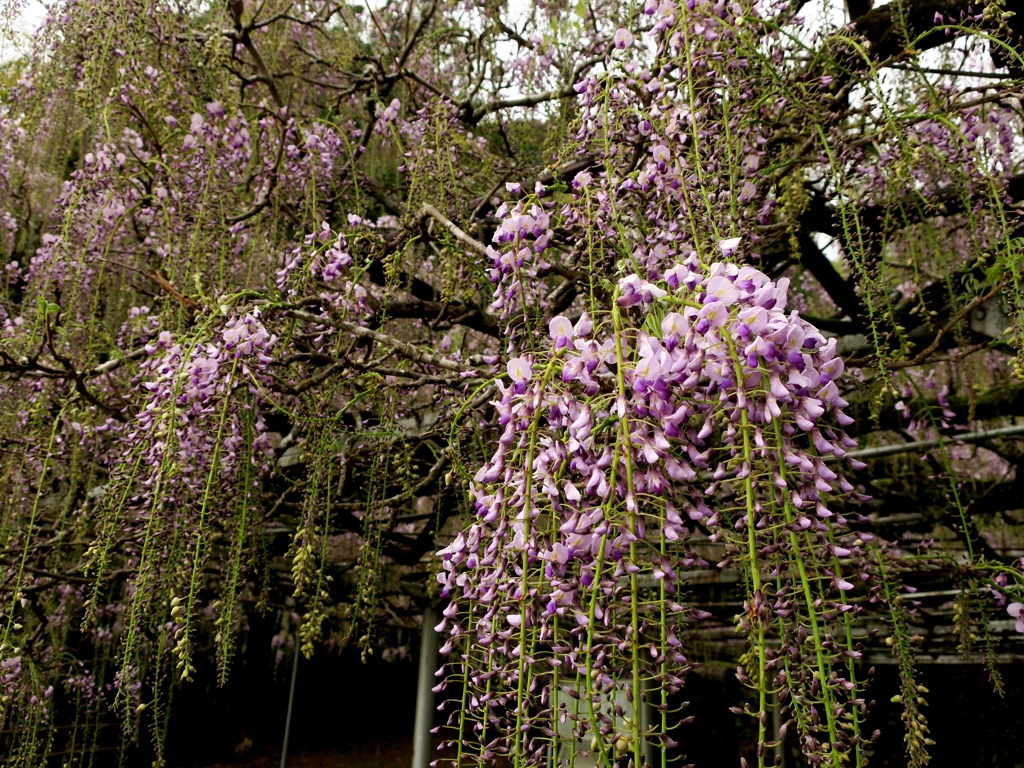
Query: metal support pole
[(291, 705), (422, 741), (923, 445)]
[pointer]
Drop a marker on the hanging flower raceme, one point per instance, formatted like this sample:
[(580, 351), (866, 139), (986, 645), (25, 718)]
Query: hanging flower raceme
[(697, 414), (191, 455)]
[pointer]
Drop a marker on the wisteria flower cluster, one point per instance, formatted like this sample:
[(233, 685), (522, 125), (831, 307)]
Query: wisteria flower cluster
[(698, 410)]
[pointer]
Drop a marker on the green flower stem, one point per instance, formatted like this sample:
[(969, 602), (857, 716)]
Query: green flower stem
[(627, 455), (755, 571), (207, 494), (805, 583), (524, 583)]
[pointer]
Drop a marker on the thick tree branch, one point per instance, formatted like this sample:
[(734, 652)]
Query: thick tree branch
[(892, 27), (454, 313), (840, 290)]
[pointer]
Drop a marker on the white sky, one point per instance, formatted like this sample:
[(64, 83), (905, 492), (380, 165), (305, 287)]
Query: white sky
[(14, 39), (28, 18)]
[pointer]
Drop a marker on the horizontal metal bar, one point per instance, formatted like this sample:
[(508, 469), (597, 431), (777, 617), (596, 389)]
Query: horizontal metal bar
[(967, 437)]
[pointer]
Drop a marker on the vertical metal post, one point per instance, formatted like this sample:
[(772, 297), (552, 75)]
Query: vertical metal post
[(291, 705), (422, 742)]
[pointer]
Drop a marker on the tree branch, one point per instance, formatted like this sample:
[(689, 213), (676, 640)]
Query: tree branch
[(473, 245), (404, 348)]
